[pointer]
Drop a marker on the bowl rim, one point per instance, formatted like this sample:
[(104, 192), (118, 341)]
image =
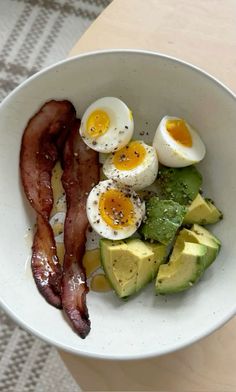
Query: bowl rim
[(77, 351)]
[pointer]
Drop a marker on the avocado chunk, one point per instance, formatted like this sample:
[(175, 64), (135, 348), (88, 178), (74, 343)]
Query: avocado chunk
[(202, 211), (160, 255), (145, 260), (180, 184), (130, 265), (163, 218), (202, 231), (212, 246), (119, 266), (186, 266)]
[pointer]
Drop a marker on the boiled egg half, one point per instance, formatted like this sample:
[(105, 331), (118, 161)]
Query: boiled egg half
[(114, 211), (135, 165), (107, 125), (177, 143)]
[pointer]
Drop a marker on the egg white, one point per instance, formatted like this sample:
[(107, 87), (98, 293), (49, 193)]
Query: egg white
[(139, 177), (173, 154), (121, 126), (59, 217), (94, 216)]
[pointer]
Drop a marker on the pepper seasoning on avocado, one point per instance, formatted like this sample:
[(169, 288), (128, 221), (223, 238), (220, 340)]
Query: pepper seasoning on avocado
[(163, 219), (180, 184)]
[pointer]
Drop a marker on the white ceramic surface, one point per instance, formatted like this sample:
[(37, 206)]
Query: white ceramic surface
[(152, 86)]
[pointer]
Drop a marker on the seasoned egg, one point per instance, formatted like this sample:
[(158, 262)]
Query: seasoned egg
[(107, 125), (134, 165), (177, 143), (114, 211)]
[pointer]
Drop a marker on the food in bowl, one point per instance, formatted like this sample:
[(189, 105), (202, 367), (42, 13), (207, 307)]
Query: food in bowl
[(107, 125), (135, 165), (119, 209), (52, 133), (177, 143), (114, 211)]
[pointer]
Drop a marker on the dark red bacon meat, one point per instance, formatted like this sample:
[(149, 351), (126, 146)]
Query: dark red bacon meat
[(42, 142), (81, 173)]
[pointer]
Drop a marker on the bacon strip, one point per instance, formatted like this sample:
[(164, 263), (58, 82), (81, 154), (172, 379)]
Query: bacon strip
[(81, 172), (42, 142), (44, 262)]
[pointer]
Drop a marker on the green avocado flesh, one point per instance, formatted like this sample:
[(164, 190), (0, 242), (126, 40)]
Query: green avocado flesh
[(193, 252), (130, 265), (187, 264), (180, 184), (163, 218), (203, 212), (160, 255), (206, 239), (203, 232)]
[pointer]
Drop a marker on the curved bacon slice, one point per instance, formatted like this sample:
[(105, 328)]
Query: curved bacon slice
[(81, 172), (45, 265), (42, 142)]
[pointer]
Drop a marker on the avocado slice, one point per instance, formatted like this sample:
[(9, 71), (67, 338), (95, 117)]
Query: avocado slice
[(202, 211), (186, 266), (131, 264), (160, 256), (180, 184), (202, 231), (119, 266), (145, 260), (212, 246), (163, 218)]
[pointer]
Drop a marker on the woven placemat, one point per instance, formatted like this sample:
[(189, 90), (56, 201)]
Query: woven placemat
[(33, 35)]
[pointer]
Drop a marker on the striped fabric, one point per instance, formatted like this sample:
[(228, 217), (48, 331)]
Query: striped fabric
[(35, 34)]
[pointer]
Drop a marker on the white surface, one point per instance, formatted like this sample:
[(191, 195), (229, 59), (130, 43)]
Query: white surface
[(152, 86)]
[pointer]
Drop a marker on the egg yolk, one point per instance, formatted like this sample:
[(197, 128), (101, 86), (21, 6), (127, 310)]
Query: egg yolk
[(98, 123), (116, 209), (179, 132), (130, 156)]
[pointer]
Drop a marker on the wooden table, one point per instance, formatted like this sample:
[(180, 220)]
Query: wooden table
[(202, 32)]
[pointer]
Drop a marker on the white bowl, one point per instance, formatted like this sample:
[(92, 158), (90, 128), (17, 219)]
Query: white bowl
[(152, 85)]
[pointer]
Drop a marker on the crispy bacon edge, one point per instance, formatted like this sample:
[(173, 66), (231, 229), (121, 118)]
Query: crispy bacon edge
[(42, 142), (81, 173)]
